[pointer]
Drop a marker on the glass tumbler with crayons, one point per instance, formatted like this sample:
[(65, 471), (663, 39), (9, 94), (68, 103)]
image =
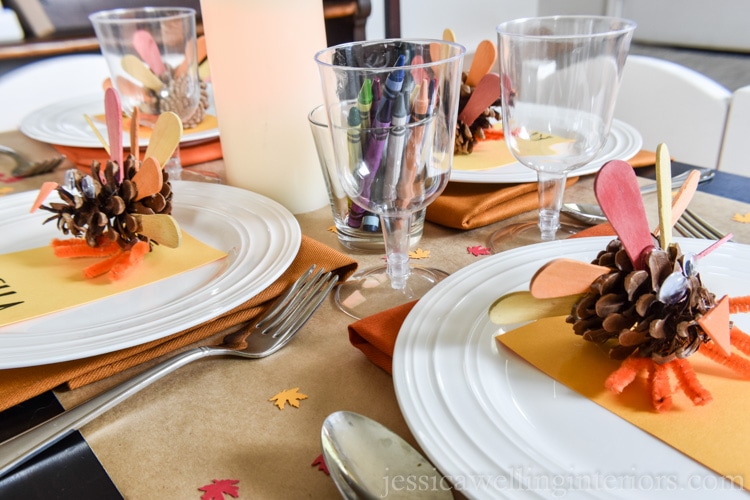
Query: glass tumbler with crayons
[(356, 228), (393, 152)]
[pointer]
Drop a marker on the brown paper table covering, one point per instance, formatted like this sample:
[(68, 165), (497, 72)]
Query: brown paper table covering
[(20, 384)]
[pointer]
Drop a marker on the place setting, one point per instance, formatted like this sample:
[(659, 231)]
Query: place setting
[(153, 74)]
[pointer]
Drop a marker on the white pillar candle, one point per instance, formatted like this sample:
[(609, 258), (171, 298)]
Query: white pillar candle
[(265, 82)]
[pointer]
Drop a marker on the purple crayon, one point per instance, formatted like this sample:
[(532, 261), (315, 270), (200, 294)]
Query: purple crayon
[(381, 124)]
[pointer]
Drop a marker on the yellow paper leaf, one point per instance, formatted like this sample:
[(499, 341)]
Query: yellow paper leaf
[(291, 396), (419, 254), (742, 218)]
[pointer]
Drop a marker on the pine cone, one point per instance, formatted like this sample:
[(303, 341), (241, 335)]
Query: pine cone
[(468, 134), (94, 211), (622, 306), (176, 101)]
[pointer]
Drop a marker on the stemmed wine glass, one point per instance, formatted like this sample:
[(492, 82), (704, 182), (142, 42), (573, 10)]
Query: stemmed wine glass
[(152, 57), (559, 81), (393, 151)]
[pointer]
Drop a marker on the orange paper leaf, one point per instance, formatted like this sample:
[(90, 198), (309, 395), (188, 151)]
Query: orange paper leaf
[(419, 254), (291, 396), (745, 219)]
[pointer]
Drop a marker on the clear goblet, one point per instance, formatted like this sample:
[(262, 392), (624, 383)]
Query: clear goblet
[(559, 81), (392, 109), (151, 53)]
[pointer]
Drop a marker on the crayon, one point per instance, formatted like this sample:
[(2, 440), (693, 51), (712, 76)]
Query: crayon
[(375, 147), (371, 223), (406, 192), (364, 103), (379, 133), (395, 152), (395, 80), (377, 94), (354, 144)]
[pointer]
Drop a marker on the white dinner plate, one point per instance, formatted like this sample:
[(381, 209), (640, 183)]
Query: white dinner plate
[(260, 236), (63, 123), (500, 428), (623, 143)]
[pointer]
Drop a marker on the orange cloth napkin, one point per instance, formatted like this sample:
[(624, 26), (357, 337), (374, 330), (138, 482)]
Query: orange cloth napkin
[(466, 205), (376, 335), (19, 384), (190, 154)]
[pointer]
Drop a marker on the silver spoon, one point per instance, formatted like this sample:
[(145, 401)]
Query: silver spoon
[(367, 460), (591, 213)]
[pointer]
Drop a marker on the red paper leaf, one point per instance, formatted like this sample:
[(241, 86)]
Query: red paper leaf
[(321, 463), (220, 487), (478, 250)]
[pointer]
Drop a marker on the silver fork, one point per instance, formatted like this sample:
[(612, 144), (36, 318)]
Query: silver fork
[(269, 334), (26, 168), (694, 226)]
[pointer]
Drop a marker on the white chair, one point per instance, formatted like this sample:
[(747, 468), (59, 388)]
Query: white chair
[(41, 83), (734, 151), (675, 105)]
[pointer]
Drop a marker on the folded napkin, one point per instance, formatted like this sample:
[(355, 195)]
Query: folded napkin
[(466, 205), (19, 384), (375, 335), (190, 154)]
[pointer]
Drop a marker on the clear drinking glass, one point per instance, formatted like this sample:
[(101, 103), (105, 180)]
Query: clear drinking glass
[(392, 108), (559, 78), (152, 57), (361, 233)]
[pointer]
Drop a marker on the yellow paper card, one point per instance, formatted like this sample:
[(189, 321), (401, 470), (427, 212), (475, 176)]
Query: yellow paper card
[(717, 435), (494, 153), (35, 282), (488, 154)]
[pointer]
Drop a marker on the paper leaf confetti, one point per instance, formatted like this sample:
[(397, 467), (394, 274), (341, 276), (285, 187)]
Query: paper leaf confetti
[(419, 254), (220, 487), (333, 229), (291, 396), (745, 219), (478, 250), (320, 462)]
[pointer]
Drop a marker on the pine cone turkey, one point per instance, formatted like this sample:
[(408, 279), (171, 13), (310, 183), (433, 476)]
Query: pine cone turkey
[(468, 134), (622, 306), (94, 210)]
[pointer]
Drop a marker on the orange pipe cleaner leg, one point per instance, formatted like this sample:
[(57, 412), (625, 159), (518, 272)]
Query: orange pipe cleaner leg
[(734, 362), (740, 339), (626, 373), (101, 267), (129, 260), (739, 304), (689, 382), (661, 392)]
